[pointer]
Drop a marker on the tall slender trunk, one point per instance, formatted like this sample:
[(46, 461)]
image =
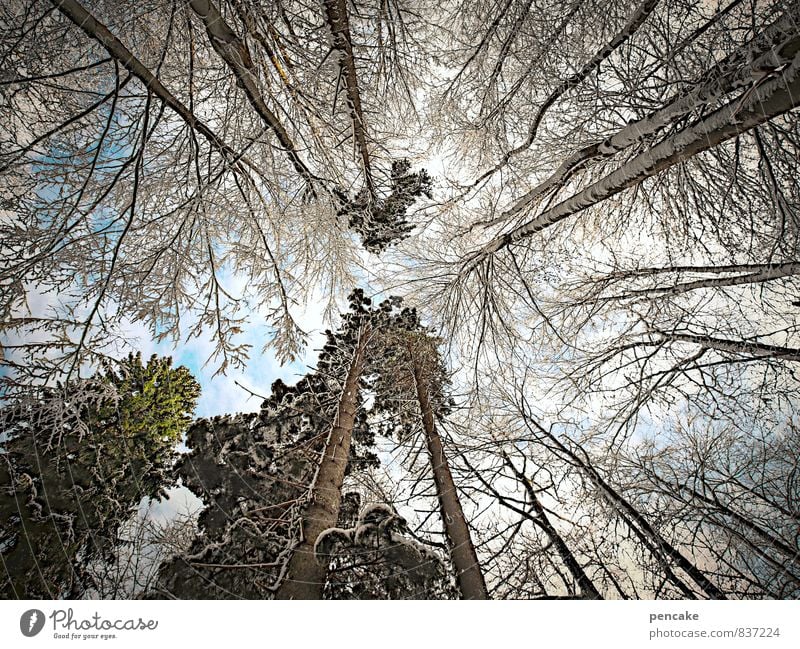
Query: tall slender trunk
[(540, 519), (732, 72), (745, 348), (767, 273), (638, 523), (769, 97), (305, 576), (462, 551), (587, 587), (233, 50), (338, 21)]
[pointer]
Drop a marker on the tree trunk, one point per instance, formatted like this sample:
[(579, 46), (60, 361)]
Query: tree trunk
[(305, 576), (462, 551), (767, 273), (767, 98), (638, 523), (740, 347), (732, 72), (540, 519), (234, 52), (339, 24), (587, 587)]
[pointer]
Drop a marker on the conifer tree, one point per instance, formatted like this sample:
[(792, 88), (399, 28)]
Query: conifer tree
[(382, 222), (414, 386), (371, 555), (344, 357), (80, 457), (254, 473), (271, 478)]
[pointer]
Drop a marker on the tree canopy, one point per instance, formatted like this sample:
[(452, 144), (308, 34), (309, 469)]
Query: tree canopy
[(587, 209)]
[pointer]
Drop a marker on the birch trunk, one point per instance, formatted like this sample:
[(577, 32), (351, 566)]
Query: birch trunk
[(763, 274), (764, 101), (749, 349), (732, 72)]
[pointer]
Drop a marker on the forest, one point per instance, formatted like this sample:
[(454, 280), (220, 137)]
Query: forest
[(530, 270)]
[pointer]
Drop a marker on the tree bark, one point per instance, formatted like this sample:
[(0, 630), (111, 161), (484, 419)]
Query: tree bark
[(305, 576), (339, 23), (635, 21), (732, 72), (462, 551), (766, 273), (234, 52), (749, 349)]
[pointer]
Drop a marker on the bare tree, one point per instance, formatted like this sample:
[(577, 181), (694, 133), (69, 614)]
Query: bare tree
[(136, 139), (731, 485)]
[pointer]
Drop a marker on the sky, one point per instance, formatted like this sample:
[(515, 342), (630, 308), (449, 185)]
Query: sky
[(228, 393), (223, 393)]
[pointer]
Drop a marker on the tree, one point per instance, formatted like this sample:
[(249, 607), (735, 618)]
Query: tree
[(382, 222), (80, 458), (534, 511), (662, 135), (612, 235), (305, 576), (258, 475), (282, 481), (583, 467), (126, 165), (412, 372), (274, 501), (728, 487), (370, 555), (625, 273), (252, 475)]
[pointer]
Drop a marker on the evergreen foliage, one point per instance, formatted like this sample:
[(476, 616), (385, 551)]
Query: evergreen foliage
[(252, 485), (255, 473), (407, 338), (382, 222), (80, 457), (372, 556)]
